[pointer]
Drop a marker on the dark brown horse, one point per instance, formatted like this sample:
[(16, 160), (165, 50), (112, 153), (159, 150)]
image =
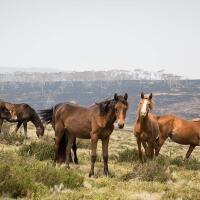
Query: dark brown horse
[(22, 113), (6, 114), (94, 122), (180, 131), (146, 127), (47, 117)]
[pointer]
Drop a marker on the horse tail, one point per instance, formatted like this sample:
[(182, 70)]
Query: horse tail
[(46, 115), (61, 156)]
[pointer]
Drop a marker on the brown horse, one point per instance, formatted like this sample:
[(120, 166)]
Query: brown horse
[(22, 113), (180, 131), (94, 122), (146, 127), (48, 117), (6, 114)]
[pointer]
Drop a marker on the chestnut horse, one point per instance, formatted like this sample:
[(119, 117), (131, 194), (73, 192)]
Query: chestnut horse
[(146, 128), (180, 131), (94, 122), (22, 113)]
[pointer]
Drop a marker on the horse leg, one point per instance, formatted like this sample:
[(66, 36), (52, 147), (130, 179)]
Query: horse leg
[(145, 148), (191, 148), (25, 129), (139, 149), (160, 141), (151, 150), (74, 148), (94, 140), (17, 127), (105, 143), (1, 123), (59, 131), (68, 148)]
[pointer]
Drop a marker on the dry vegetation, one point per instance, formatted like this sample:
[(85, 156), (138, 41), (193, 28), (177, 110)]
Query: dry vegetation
[(27, 171)]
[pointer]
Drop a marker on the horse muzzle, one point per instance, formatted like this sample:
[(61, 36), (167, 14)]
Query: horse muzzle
[(143, 114), (14, 118), (120, 126)]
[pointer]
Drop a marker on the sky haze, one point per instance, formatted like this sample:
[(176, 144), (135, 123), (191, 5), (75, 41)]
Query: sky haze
[(101, 35)]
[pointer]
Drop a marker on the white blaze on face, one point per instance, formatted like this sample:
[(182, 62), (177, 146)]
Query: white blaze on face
[(144, 107)]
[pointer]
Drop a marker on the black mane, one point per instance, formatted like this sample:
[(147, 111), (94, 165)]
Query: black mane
[(108, 104)]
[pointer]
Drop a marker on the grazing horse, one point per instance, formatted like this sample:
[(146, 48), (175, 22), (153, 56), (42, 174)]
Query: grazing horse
[(146, 128), (94, 122), (22, 113), (180, 131), (6, 114)]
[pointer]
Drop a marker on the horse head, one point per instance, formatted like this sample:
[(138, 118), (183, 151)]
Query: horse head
[(40, 131), (5, 113), (120, 108), (145, 105)]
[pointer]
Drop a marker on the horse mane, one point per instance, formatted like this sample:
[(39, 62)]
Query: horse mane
[(36, 119), (106, 105)]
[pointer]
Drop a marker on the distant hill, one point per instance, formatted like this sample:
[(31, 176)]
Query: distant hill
[(178, 97), (48, 75)]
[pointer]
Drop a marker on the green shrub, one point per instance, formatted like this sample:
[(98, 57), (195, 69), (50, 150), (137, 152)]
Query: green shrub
[(51, 176), (16, 180), (11, 138), (190, 164), (128, 155), (28, 177), (41, 150), (149, 171)]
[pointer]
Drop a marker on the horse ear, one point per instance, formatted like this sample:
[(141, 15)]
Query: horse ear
[(116, 97), (142, 95), (126, 96), (150, 96)]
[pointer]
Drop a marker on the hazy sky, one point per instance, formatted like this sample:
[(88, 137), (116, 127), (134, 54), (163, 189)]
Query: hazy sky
[(105, 34)]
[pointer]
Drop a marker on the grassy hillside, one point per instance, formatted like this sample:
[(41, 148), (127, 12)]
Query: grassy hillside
[(27, 171)]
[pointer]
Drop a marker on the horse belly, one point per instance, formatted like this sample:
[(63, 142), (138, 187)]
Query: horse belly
[(185, 139), (79, 131)]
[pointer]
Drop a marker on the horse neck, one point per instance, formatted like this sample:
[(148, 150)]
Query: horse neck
[(110, 117), (144, 122), (36, 121)]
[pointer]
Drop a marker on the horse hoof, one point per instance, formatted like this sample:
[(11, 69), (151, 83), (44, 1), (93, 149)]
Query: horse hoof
[(106, 174), (67, 166), (91, 174), (76, 162)]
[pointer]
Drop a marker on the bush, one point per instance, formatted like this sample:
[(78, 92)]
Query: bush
[(28, 177), (155, 170), (190, 164), (51, 176), (12, 138), (128, 155), (41, 150), (16, 180)]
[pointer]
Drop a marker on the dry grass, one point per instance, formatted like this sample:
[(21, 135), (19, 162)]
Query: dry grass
[(167, 177)]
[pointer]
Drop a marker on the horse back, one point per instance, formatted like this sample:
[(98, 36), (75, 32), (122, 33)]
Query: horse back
[(74, 112)]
